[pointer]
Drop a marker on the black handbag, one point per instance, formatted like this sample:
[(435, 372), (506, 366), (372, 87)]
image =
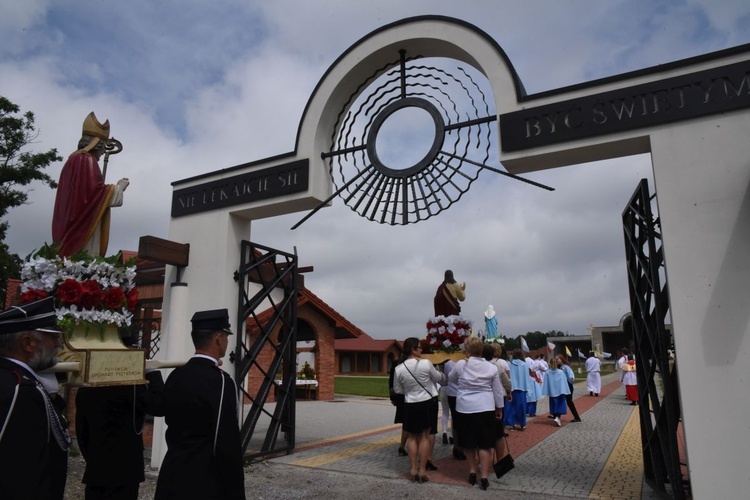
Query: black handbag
[(505, 464)]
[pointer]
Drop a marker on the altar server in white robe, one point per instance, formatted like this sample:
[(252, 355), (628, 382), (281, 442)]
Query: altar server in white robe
[(593, 375)]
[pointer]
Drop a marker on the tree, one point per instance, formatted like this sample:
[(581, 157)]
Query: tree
[(18, 168)]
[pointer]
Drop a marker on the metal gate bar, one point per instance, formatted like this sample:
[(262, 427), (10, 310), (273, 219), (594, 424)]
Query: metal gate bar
[(649, 301), (277, 274)]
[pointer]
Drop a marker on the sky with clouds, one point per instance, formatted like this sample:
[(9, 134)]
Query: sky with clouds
[(191, 86)]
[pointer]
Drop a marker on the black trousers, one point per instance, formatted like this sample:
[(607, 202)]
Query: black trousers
[(571, 404), (122, 492)]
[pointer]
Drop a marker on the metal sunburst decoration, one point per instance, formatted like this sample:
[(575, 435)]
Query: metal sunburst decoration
[(460, 140)]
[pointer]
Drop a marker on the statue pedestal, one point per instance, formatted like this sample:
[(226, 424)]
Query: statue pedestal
[(441, 357), (104, 359)]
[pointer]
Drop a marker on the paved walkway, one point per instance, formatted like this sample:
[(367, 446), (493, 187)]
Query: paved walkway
[(597, 458)]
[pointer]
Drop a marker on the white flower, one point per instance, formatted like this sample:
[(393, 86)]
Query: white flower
[(39, 273)]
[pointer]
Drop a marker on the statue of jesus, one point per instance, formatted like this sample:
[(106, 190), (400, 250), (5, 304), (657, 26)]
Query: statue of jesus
[(448, 296)]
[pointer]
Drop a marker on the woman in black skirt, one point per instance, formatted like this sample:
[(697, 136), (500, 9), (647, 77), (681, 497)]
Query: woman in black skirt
[(479, 406), (397, 400), (415, 378)]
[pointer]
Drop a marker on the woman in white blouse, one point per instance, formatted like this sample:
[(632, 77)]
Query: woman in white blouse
[(415, 378), (479, 405)]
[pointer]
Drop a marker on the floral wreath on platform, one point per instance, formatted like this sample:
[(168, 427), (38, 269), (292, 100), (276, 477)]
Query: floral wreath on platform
[(495, 340), (89, 290), (447, 333)]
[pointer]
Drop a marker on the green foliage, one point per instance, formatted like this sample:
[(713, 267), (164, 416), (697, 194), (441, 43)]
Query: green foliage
[(18, 168), (306, 372), (362, 386), (49, 251)]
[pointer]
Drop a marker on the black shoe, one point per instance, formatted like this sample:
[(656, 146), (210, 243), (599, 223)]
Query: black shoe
[(485, 483), (591, 393), (576, 420), (430, 466), (459, 455), (472, 479), (445, 438), (596, 395), (633, 403), (402, 451), (450, 440)]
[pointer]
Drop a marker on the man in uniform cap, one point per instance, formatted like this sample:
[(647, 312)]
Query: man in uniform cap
[(34, 438), (204, 453)]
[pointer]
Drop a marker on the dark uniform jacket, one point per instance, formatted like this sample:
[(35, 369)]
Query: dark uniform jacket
[(33, 464), (109, 422), (204, 453)]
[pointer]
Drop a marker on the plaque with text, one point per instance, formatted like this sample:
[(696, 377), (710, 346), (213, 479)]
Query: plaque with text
[(115, 367), (256, 185), (683, 97)]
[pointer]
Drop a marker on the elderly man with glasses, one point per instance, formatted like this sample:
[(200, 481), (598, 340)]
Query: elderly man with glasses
[(34, 438)]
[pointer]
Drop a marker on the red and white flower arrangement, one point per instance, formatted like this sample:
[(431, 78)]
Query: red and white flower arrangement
[(448, 333), (94, 291)]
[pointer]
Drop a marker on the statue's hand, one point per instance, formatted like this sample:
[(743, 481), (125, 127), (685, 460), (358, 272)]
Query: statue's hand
[(123, 183)]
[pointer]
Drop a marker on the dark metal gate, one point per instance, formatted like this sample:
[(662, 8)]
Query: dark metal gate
[(267, 351), (659, 408)]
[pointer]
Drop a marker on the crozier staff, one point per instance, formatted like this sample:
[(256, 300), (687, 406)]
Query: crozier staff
[(204, 454), (81, 217), (34, 438)]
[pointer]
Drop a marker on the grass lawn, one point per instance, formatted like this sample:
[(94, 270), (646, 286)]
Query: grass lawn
[(362, 386)]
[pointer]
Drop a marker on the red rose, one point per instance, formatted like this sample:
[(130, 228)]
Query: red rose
[(113, 297), (69, 292), (91, 295), (33, 295), (132, 299)]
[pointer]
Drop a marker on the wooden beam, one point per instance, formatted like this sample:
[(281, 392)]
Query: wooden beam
[(163, 251)]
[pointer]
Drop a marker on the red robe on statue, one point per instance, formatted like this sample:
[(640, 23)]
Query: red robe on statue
[(81, 205), (445, 303)]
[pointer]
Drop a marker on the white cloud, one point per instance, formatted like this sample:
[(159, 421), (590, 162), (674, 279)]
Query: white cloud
[(206, 87)]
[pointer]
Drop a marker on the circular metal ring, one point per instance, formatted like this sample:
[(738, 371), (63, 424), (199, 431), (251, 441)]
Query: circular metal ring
[(437, 140)]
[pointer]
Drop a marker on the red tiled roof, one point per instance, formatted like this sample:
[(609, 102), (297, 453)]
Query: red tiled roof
[(365, 343), (305, 296)]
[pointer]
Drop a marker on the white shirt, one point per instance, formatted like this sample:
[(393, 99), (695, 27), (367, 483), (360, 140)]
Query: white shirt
[(413, 372), (479, 387), (593, 365), (502, 365), (503, 371), (451, 389)]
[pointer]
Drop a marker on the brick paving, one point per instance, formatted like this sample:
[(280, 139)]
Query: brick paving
[(599, 457)]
